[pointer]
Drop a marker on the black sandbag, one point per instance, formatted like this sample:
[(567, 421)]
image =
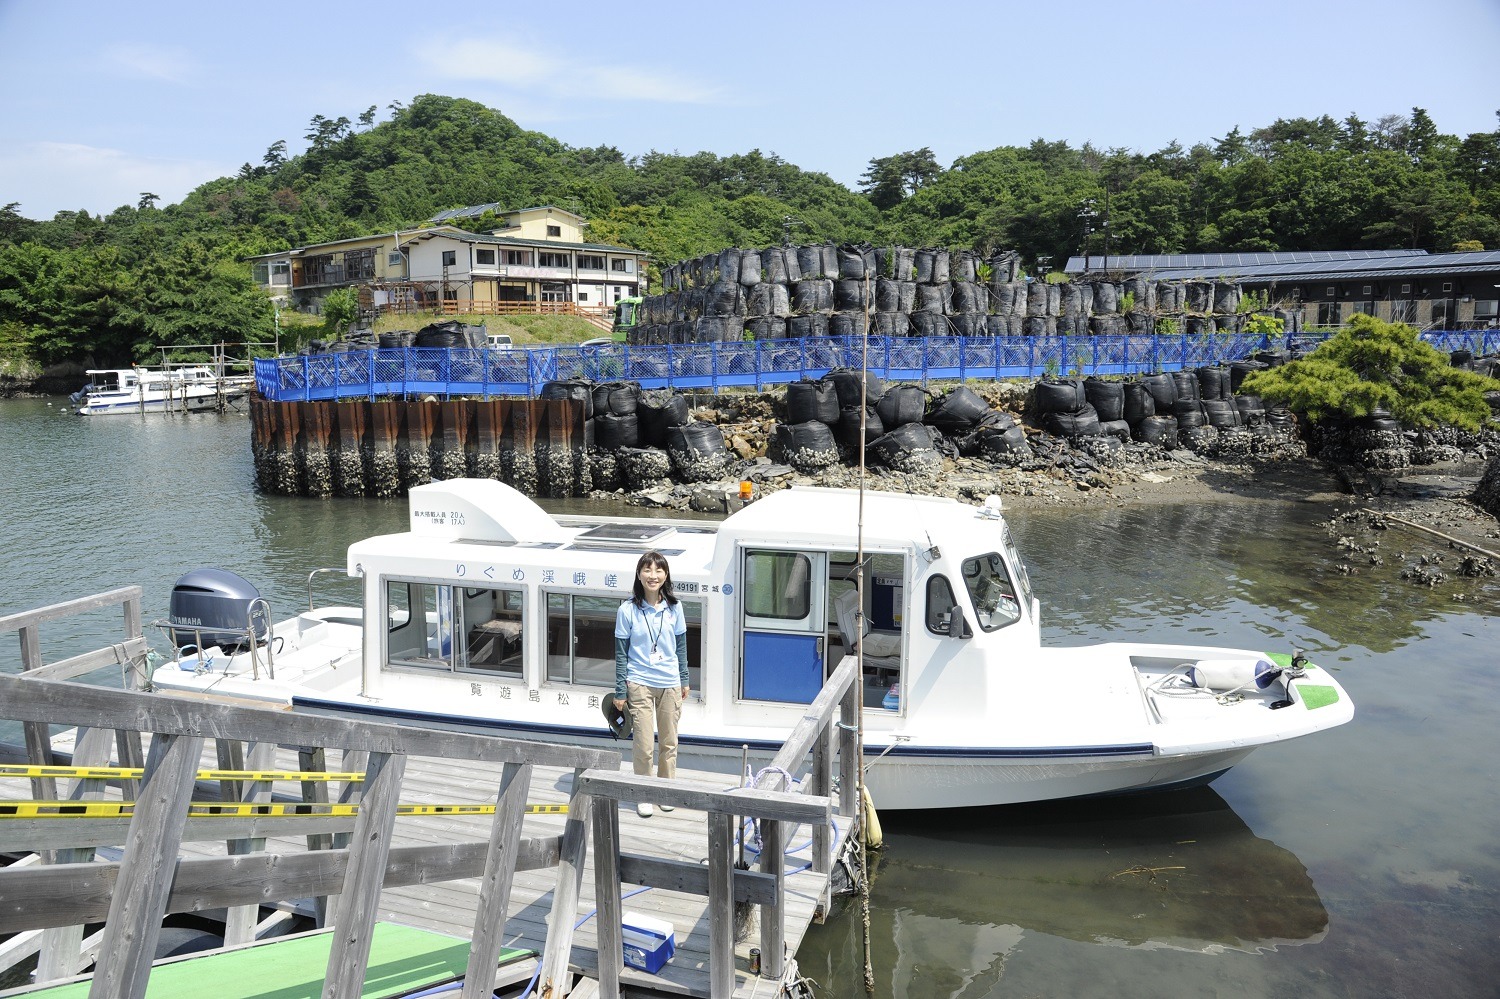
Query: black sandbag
[(1139, 403), (1158, 430), (773, 265), (891, 448), (766, 327), (1082, 422), (750, 267), (929, 324), (1107, 398), (812, 295), (1060, 395), (1115, 428), (922, 267), (846, 384), (805, 446), (1221, 413), (1239, 369), (849, 424), (1252, 409), (994, 442), (613, 431), (697, 452), (808, 401), (851, 262), (846, 324), (729, 264), (1189, 415), (901, 405), (890, 324), (1213, 383), (936, 298), (1280, 416), (619, 398), (810, 261), (1162, 388), (1187, 385), (767, 300), (887, 295), (577, 391), (957, 411), (807, 326), (658, 412)]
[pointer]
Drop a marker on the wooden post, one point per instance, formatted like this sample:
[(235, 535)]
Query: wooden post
[(363, 877), (849, 761), (60, 955), (607, 896), (145, 877), (494, 886), (720, 904), (773, 916), (553, 981), (241, 920)]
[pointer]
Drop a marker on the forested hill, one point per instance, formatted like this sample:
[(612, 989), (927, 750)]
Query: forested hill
[(118, 285)]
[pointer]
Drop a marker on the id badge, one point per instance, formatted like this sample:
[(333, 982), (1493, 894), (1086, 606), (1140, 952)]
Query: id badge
[(657, 659)]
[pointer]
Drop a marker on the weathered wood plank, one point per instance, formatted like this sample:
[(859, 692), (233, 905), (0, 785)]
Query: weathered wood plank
[(720, 904), (61, 954), (691, 878), (570, 868), (83, 705), (14, 622), (140, 900), (63, 894), (681, 794), (361, 891), (494, 887), (610, 944), (773, 915), (239, 926), (817, 717), (76, 666)]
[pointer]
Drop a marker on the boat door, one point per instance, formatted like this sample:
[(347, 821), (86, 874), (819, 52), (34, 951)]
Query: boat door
[(782, 630)]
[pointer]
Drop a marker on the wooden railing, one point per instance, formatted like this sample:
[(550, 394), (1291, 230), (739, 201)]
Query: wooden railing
[(133, 896), (601, 316), (774, 805)]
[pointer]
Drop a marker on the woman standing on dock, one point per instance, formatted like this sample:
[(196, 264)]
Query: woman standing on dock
[(651, 668)]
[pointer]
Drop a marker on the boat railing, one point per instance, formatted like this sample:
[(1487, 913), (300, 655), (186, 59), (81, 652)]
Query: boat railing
[(312, 575), (250, 638)]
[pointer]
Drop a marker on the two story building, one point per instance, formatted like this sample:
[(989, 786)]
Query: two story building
[(533, 255)]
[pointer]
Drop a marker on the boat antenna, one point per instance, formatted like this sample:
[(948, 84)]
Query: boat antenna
[(859, 631)]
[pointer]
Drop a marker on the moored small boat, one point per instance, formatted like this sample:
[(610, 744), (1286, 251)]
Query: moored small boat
[(491, 614)]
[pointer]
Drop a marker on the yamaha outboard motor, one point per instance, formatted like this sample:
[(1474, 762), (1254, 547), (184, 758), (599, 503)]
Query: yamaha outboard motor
[(214, 607)]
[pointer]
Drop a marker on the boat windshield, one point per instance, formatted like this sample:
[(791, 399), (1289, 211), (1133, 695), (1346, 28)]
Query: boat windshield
[(993, 593), (1013, 556)]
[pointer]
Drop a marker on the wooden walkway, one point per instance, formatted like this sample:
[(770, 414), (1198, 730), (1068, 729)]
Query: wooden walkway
[(516, 878)]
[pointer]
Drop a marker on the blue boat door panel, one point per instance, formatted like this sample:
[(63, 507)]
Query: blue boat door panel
[(782, 667)]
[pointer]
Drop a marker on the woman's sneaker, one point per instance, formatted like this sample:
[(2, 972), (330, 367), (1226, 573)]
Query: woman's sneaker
[(643, 810)]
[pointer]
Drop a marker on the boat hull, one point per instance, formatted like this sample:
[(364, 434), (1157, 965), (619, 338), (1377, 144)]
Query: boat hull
[(900, 777)]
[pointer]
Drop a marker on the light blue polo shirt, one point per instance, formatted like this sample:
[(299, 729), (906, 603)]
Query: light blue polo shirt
[(649, 627)]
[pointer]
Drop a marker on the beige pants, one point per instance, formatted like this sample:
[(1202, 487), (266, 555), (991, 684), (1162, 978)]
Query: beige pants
[(664, 705)]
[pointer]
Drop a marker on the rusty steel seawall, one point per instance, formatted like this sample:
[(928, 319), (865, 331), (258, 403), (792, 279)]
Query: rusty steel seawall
[(363, 448)]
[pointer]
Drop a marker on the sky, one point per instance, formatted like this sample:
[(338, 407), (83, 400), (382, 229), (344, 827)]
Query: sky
[(102, 102)]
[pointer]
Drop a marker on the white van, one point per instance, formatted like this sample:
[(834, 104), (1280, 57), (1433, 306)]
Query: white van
[(498, 341)]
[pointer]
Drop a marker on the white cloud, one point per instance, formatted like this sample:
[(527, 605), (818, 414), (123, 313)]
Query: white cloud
[(152, 62), (49, 177), (566, 77)]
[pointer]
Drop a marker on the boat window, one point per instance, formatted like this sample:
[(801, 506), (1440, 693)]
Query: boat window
[(940, 604), (468, 629), (581, 639), (777, 585), (991, 590)]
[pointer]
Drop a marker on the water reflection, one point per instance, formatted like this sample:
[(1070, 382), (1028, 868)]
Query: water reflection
[(954, 895)]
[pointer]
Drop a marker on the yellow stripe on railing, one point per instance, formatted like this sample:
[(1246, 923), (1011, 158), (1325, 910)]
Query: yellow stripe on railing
[(136, 773), (230, 809)]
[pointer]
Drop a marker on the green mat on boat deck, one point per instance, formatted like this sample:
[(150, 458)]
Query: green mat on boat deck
[(402, 959), (1317, 697)]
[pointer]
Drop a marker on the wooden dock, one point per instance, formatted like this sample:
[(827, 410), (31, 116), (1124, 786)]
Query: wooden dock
[(524, 875)]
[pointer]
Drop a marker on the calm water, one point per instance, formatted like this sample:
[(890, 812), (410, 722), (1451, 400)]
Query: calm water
[(1361, 863)]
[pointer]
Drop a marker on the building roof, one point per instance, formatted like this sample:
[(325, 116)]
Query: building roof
[(474, 211), (463, 236), (1305, 266), (1218, 263)]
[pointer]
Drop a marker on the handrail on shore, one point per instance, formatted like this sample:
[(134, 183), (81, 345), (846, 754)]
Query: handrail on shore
[(445, 372)]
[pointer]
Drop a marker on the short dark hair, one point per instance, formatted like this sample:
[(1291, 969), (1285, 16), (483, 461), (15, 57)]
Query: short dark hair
[(659, 560)]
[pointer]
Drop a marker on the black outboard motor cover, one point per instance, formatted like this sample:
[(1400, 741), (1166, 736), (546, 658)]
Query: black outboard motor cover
[(212, 607)]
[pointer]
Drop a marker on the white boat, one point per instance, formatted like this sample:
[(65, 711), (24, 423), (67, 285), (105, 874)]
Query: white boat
[(493, 615), (188, 389)]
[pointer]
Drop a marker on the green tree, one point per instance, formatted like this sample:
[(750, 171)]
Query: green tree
[(1371, 363), (340, 311)]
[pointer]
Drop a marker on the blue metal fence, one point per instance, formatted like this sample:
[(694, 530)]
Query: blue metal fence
[(445, 371)]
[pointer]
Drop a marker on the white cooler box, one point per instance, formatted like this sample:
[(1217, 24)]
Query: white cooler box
[(649, 943)]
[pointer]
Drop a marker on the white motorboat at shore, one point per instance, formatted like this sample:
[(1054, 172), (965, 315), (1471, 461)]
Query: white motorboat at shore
[(491, 614), (184, 389)]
